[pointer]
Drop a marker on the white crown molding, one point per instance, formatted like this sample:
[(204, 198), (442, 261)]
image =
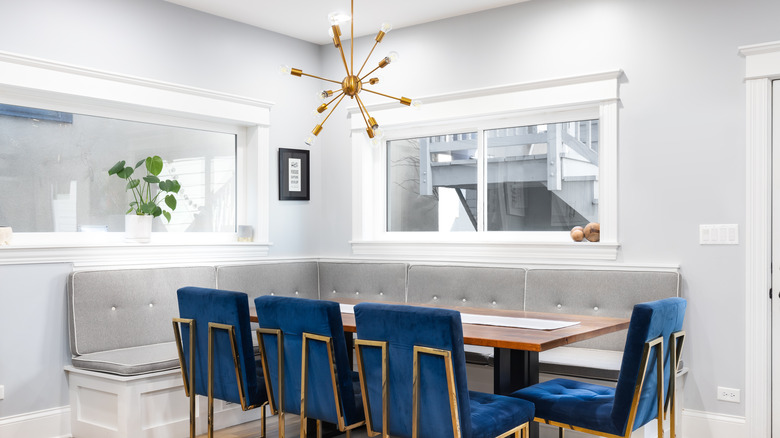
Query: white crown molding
[(28, 75)]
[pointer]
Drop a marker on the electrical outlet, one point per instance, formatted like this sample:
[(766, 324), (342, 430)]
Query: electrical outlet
[(2, 392), (728, 394)]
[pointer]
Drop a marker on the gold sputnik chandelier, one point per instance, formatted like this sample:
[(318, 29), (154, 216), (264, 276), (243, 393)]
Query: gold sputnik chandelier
[(353, 83)]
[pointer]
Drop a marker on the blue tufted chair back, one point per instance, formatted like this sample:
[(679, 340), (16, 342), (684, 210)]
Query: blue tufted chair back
[(224, 307), (648, 321), (295, 316), (403, 327)]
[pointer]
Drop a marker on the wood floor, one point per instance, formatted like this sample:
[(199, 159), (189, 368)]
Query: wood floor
[(252, 429)]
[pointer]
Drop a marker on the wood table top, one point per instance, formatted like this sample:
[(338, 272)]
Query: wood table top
[(516, 338)]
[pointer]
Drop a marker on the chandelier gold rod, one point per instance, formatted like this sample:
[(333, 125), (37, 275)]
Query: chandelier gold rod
[(382, 94), (361, 107), (331, 111), (352, 39), (369, 73), (321, 78), (344, 59), (366, 61), (336, 97)]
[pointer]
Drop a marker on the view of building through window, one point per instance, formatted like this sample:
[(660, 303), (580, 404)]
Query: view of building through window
[(539, 178), (53, 172)]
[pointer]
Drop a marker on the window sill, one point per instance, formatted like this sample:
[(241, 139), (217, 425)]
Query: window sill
[(109, 249), (537, 252)]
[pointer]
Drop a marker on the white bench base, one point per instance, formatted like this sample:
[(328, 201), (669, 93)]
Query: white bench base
[(147, 406)]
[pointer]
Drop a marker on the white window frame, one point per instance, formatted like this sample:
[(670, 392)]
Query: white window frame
[(32, 82), (576, 98)]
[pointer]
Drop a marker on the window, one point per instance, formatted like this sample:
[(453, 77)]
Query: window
[(54, 172), (64, 126), (539, 178), (505, 171)]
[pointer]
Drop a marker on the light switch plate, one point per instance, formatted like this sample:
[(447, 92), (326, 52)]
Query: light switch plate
[(2, 392), (719, 234)]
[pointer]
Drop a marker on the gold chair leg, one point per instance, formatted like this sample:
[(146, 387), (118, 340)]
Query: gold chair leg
[(349, 433), (560, 432), (281, 423), (319, 428)]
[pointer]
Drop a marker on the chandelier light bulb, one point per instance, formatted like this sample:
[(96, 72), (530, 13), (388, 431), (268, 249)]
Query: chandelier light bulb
[(393, 56), (337, 18), (310, 139), (285, 69), (417, 103), (386, 27)]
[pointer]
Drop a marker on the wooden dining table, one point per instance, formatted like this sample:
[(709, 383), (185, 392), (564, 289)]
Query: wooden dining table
[(516, 350)]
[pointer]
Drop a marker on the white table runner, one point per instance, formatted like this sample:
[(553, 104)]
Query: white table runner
[(502, 321)]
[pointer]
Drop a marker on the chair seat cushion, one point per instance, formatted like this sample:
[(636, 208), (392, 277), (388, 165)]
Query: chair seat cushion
[(131, 361), (492, 415), (573, 403)]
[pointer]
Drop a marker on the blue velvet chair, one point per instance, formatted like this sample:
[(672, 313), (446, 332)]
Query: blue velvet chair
[(214, 342), (306, 359), (654, 336), (413, 376)]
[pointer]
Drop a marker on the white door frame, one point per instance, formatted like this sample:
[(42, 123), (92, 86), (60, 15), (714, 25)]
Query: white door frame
[(761, 67)]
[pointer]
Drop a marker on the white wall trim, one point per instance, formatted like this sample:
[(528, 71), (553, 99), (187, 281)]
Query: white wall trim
[(696, 424), (762, 64), (49, 423), (592, 96)]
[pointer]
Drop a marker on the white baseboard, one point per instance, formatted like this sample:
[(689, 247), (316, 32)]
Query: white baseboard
[(50, 423), (697, 424)]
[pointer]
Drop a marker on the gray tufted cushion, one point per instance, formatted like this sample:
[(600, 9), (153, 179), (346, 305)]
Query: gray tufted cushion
[(291, 279), (453, 286), (131, 361), (115, 309), (613, 293), (364, 281)]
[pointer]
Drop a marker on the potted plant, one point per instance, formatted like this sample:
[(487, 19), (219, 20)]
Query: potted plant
[(146, 197)]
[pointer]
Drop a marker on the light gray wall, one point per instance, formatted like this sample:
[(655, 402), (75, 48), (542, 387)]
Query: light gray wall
[(681, 133), (34, 341)]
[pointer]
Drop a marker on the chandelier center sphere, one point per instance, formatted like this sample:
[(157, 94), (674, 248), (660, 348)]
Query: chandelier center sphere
[(351, 85)]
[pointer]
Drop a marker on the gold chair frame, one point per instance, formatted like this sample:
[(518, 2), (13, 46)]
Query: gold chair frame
[(519, 431), (279, 407), (676, 340), (189, 377)]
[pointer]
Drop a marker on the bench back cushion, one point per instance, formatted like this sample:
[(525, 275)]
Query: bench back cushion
[(467, 286), (125, 308), (597, 293), (363, 281), (291, 279)]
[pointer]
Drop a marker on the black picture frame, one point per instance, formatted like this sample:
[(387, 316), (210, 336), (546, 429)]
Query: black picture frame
[(290, 187)]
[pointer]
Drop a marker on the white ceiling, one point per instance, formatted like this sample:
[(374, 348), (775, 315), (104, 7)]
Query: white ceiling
[(308, 19)]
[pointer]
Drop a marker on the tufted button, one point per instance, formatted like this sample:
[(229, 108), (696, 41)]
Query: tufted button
[(357, 293), (272, 293), (494, 302), (296, 292), (334, 291), (464, 300), (435, 298), (381, 293), (151, 304), (596, 309), (559, 306), (113, 308)]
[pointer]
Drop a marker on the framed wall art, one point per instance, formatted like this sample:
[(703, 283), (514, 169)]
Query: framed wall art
[(293, 175)]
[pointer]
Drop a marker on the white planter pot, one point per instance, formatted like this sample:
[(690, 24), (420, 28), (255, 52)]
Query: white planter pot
[(138, 229)]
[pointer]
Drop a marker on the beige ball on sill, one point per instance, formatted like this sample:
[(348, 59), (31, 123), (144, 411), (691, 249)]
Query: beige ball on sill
[(593, 232)]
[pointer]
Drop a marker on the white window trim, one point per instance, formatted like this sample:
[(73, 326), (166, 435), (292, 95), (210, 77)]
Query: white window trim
[(596, 94), (33, 82)]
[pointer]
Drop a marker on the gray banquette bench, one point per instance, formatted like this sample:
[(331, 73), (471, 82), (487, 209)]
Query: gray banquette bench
[(120, 320)]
